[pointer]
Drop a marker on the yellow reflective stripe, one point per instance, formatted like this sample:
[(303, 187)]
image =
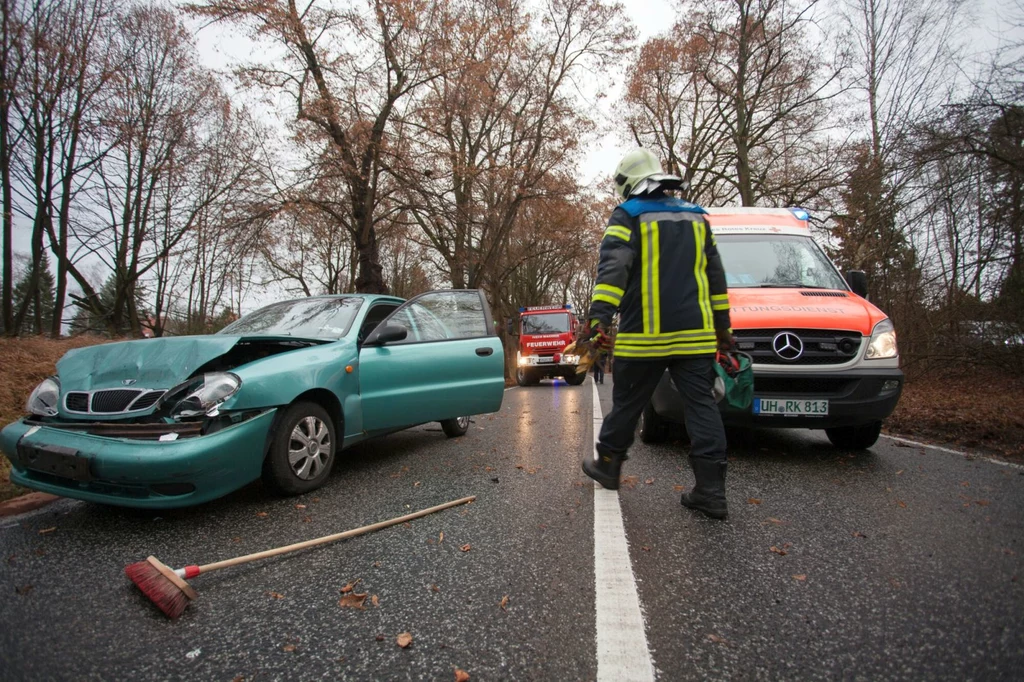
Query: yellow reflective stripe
[(662, 351), (611, 289), (650, 283), (656, 276), (700, 273), (607, 299), (619, 231), (719, 302), (672, 337)]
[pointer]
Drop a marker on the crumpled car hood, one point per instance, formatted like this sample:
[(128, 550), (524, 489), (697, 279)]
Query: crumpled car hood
[(152, 363)]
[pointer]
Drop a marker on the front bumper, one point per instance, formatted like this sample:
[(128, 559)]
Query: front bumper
[(546, 366), (855, 397), (138, 473)]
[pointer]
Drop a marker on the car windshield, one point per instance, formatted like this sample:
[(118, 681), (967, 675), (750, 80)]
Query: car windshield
[(756, 260), (546, 323), (309, 318)]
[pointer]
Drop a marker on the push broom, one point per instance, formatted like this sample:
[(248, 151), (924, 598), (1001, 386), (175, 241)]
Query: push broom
[(166, 587)]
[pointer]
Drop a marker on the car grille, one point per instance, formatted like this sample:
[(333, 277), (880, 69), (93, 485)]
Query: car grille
[(111, 401), (802, 386), (828, 294), (821, 347)]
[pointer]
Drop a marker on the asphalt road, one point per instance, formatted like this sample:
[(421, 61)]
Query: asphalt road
[(899, 563)]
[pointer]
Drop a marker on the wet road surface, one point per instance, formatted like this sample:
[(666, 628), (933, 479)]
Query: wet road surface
[(901, 562)]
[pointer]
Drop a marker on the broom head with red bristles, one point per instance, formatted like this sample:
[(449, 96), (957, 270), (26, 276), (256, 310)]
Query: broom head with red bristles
[(164, 588)]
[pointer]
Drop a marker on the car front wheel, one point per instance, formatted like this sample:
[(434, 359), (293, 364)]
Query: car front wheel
[(854, 437), (302, 451), (525, 377), (576, 379), (454, 428)]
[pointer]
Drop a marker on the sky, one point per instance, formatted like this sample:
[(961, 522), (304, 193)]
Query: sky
[(220, 49)]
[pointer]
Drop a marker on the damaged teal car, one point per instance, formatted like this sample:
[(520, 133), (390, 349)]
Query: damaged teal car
[(278, 394)]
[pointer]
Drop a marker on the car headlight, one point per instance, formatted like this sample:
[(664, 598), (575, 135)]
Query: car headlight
[(200, 395), (44, 398), (520, 360), (571, 359), (883, 342)]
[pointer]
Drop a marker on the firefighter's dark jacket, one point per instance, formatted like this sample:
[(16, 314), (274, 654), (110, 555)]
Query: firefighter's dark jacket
[(659, 268)]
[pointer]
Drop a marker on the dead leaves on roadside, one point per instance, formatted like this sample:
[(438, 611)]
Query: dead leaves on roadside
[(404, 640)]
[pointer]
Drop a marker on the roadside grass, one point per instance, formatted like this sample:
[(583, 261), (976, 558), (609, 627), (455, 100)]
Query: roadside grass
[(972, 407), (26, 362)]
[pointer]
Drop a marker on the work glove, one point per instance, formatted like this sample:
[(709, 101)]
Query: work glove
[(599, 336), (726, 342)]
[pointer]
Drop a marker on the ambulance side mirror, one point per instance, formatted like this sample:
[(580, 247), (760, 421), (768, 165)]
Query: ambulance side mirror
[(510, 327), (858, 282)]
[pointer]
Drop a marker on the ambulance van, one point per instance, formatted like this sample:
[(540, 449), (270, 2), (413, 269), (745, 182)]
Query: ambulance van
[(823, 356)]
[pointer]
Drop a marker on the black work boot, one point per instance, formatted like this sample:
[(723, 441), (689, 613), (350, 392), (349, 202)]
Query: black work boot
[(708, 494), (605, 469)]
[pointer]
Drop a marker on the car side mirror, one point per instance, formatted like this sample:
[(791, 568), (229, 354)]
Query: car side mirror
[(510, 327), (858, 282), (386, 334)]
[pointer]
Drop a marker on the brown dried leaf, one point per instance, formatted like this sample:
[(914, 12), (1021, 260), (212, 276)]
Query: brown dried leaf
[(461, 675), (466, 547), (982, 503), (275, 595), (780, 552), (307, 519), (753, 500), (24, 589), (44, 531), (434, 588), (858, 534), (679, 488), (416, 484), (379, 638), (899, 472), (348, 588), (649, 481), (800, 576), (404, 640), (440, 537), (504, 602), (374, 600), (261, 514), (300, 506), (353, 600), (288, 647), (717, 639), (777, 522), (901, 504)]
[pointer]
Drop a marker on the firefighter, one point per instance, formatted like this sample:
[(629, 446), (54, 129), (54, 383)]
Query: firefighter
[(659, 269)]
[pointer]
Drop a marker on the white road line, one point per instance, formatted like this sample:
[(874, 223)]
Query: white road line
[(622, 653), (951, 452)]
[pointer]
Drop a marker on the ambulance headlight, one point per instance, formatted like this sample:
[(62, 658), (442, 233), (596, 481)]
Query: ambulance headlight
[(883, 342)]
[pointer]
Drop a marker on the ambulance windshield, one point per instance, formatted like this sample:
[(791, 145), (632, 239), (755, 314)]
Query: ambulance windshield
[(776, 260)]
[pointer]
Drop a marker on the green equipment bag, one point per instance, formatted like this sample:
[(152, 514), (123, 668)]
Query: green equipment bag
[(734, 380)]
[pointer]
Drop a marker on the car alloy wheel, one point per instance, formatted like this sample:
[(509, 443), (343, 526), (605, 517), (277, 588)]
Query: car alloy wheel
[(302, 449), (309, 448), (455, 427)]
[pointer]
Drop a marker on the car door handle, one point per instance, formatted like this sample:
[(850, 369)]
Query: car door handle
[(484, 352)]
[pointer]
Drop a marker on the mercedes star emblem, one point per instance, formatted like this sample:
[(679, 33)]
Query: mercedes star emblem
[(788, 345)]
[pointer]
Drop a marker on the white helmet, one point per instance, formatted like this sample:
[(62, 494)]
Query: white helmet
[(639, 172)]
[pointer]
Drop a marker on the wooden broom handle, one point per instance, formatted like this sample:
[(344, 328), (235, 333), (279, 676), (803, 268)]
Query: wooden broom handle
[(331, 538)]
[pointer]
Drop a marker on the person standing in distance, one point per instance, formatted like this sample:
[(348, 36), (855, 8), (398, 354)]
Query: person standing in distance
[(659, 269)]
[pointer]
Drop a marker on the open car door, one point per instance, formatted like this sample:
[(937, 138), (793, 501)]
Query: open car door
[(449, 364)]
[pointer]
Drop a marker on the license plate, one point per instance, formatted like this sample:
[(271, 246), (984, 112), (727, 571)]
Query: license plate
[(544, 361), (56, 460), (791, 407)]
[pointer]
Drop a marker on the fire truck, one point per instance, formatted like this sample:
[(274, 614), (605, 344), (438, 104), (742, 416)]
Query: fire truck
[(544, 332)]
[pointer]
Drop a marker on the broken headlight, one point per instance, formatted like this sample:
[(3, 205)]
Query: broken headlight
[(44, 398), (201, 394)]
